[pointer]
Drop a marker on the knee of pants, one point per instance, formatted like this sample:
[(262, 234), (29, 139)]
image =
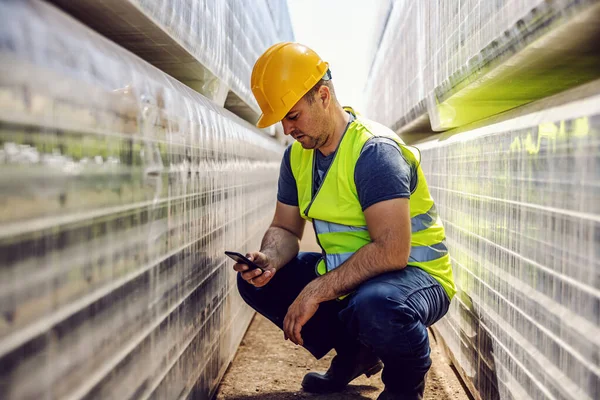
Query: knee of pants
[(376, 314)]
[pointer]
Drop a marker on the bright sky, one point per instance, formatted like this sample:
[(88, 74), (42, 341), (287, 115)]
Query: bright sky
[(343, 33)]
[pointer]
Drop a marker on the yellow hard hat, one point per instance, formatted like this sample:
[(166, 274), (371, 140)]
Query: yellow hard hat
[(281, 76)]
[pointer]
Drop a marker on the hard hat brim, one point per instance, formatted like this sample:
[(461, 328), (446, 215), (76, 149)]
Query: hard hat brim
[(266, 120)]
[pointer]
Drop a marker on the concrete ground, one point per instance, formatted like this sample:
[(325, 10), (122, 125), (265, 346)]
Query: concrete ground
[(267, 367)]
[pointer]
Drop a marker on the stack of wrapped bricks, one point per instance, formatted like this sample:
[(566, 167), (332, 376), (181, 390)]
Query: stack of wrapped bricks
[(120, 187), (517, 183)]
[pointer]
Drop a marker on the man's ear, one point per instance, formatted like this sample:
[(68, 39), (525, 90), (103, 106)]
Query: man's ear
[(324, 96)]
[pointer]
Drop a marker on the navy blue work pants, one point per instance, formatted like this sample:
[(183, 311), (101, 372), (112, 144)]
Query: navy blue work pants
[(389, 313)]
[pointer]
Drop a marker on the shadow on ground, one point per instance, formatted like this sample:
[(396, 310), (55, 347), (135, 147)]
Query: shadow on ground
[(352, 392)]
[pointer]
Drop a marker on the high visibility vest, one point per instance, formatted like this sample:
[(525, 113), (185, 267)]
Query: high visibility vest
[(337, 215)]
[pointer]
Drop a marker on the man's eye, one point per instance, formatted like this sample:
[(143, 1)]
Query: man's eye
[(293, 117)]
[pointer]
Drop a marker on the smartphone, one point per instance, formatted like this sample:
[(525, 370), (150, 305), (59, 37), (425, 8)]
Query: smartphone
[(240, 259)]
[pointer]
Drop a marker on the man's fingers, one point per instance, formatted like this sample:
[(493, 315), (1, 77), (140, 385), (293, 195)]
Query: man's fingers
[(286, 322), (263, 278), (298, 314), (248, 275), (240, 267), (297, 337), (288, 328), (257, 257), (290, 331)]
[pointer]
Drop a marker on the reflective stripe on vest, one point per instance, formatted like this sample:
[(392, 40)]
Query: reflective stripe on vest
[(330, 227), (338, 217), (423, 221), (336, 255)]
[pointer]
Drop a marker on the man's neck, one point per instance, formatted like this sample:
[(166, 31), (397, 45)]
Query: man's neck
[(341, 119)]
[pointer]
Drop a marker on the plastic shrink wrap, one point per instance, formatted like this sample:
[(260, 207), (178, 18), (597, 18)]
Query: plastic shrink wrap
[(457, 61), (520, 201), (209, 45), (120, 188), (518, 190)]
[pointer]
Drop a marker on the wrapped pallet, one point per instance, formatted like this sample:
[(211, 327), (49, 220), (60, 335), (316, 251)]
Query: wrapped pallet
[(209, 45), (516, 185), (456, 62), (520, 203), (120, 187)]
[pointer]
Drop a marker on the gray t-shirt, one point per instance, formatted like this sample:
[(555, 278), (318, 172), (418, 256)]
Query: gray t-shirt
[(381, 173)]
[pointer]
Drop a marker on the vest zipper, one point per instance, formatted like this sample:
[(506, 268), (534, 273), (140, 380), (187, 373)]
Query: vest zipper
[(314, 170), (312, 183), (314, 167)]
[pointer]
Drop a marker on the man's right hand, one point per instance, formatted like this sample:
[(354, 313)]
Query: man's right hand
[(256, 277)]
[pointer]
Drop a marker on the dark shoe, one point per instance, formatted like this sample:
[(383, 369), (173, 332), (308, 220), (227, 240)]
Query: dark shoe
[(417, 394), (343, 369)]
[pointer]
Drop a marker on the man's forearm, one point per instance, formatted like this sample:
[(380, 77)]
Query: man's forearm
[(280, 246), (369, 261)]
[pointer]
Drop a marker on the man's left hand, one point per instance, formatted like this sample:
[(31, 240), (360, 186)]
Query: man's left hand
[(301, 310)]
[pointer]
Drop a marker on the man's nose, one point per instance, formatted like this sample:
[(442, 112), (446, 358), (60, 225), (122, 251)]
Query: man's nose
[(288, 127)]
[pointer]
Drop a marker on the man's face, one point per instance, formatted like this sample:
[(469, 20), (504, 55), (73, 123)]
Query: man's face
[(307, 123)]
